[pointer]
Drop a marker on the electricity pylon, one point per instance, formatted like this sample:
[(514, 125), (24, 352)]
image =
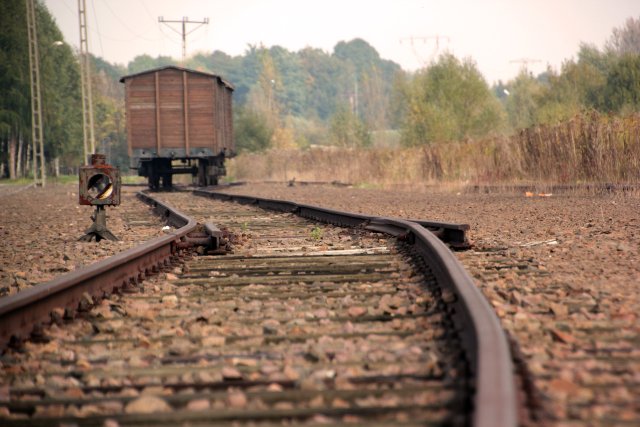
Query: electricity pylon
[(425, 39), (85, 79), (36, 99)]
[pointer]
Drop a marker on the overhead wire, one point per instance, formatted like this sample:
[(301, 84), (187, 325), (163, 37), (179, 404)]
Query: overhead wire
[(162, 36), (70, 9), (144, 5), (73, 12), (160, 39), (95, 18), (170, 37), (127, 27)]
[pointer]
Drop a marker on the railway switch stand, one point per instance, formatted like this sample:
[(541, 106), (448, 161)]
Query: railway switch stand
[(99, 187)]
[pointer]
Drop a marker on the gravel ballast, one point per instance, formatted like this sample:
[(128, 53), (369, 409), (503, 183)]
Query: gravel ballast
[(561, 271), (40, 227)]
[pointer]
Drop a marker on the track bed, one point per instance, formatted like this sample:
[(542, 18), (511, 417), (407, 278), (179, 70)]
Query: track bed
[(302, 323)]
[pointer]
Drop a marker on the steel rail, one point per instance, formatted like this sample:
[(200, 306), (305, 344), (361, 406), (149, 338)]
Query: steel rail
[(21, 314), (495, 399)]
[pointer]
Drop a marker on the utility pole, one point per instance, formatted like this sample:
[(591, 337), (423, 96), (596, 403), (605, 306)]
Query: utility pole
[(36, 99), (85, 79), (184, 32)]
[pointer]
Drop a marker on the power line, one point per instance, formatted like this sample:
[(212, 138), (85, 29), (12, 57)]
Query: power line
[(184, 21), (170, 37), (144, 5), (69, 8), (95, 18), (127, 27)]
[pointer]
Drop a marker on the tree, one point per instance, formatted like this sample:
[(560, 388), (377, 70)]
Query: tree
[(578, 86), (264, 96), (622, 89), (366, 82), (594, 67), (107, 76), (560, 98), (252, 131), (398, 107), (59, 86), (522, 104), (621, 92), (14, 82), (373, 100), (321, 72), (450, 100), (625, 39), (146, 62), (299, 92), (61, 102), (289, 81), (347, 130)]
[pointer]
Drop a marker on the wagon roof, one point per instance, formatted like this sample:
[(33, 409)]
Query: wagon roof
[(175, 67)]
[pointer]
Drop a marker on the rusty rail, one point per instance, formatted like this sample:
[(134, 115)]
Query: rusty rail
[(495, 401), (29, 309)]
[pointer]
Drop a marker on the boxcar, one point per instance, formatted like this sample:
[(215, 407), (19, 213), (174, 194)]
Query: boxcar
[(178, 121)]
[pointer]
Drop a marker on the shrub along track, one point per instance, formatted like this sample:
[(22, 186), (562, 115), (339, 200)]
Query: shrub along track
[(303, 321)]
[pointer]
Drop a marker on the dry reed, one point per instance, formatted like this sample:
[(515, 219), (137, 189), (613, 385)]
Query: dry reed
[(588, 148)]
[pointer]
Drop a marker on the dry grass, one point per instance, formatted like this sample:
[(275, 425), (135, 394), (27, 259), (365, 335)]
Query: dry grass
[(588, 148)]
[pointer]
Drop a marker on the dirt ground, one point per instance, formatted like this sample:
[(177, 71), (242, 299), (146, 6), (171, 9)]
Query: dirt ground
[(561, 270)]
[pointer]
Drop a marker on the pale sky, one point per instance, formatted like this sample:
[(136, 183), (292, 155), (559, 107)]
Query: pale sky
[(495, 33)]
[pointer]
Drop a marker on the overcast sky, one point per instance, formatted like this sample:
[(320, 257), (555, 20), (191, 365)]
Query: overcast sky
[(495, 33)]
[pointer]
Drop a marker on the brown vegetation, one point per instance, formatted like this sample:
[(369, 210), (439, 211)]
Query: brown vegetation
[(590, 147)]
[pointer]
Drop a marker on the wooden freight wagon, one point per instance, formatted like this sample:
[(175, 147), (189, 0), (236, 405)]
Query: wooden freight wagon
[(178, 121)]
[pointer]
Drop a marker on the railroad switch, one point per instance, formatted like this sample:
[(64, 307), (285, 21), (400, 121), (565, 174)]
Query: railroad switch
[(99, 187)]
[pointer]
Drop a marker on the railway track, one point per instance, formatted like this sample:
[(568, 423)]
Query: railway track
[(303, 322)]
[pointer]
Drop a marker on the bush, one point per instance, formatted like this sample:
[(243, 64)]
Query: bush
[(252, 132)]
